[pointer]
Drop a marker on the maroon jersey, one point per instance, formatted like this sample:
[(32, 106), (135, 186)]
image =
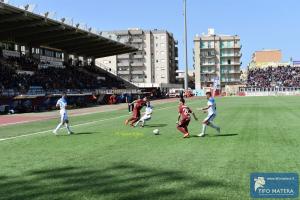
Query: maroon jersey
[(184, 112), (139, 105)]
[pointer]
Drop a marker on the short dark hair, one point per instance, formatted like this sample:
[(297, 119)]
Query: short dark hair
[(208, 93)]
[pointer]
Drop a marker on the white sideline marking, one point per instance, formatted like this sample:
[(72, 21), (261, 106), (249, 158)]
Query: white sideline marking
[(82, 124), (40, 132)]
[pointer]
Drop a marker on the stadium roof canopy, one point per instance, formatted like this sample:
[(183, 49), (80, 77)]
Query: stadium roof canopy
[(27, 28)]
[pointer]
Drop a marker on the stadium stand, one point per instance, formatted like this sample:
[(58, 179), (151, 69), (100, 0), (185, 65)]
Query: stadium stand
[(274, 77), (41, 57)]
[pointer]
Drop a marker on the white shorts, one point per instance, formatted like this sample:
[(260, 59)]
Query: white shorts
[(210, 118), (145, 118), (64, 116)]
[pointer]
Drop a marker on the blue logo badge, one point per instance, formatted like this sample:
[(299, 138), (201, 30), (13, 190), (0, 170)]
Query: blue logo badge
[(274, 185)]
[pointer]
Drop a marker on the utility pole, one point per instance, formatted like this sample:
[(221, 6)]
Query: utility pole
[(185, 48)]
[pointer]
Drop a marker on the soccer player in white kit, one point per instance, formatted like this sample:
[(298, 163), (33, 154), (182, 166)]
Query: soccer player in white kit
[(146, 116), (64, 120), (211, 109)]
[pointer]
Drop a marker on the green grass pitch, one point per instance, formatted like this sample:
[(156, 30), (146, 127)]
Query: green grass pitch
[(106, 160)]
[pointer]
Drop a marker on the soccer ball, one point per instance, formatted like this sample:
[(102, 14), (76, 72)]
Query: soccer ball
[(156, 131)]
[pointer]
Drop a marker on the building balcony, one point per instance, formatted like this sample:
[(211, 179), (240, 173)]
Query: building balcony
[(237, 46), (123, 56), (207, 64), (207, 47), (207, 80), (137, 40), (138, 56), (231, 72), (123, 72), (138, 80), (231, 55), (232, 64), (123, 64), (138, 72), (137, 64), (208, 72), (230, 80)]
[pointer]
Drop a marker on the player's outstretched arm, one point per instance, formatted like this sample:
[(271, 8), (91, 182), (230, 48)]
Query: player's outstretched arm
[(194, 116), (206, 108)]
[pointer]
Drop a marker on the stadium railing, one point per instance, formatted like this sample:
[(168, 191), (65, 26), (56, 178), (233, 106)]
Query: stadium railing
[(39, 91), (272, 91)]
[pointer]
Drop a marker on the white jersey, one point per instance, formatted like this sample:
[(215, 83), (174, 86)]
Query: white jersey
[(212, 109), (62, 103), (148, 111)]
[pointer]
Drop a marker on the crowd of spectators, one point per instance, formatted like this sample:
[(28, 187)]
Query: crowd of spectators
[(282, 76), (23, 62), (51, 78)]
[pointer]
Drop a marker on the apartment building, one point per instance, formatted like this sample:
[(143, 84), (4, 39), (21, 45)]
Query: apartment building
[(217, 60), (153, 65)]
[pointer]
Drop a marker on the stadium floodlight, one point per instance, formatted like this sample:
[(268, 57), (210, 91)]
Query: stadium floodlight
[(46, 14), (26, 7), (63, 20), (31, 7)]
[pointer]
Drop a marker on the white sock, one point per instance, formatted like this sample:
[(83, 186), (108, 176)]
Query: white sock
[(203, 128), (213, 125), (58, 127), (137, 123), (68, 127)]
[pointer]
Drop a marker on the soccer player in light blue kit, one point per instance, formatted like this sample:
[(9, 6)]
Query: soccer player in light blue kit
[(64, 120), (211, 109)]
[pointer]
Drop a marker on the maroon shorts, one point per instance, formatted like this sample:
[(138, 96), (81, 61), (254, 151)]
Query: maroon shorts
[(136, 114), (184, 122)]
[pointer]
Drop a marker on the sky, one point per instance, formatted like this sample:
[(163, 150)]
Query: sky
[(261, 24)]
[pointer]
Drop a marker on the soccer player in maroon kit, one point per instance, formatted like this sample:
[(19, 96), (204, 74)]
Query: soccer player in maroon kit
[(139, 104), (184, 118)]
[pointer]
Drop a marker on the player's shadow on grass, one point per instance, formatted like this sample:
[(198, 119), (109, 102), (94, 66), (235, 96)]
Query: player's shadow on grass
[(216, 135), (156, 125), (226, 135), (85, 133), (119, 181), (74, 134)]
